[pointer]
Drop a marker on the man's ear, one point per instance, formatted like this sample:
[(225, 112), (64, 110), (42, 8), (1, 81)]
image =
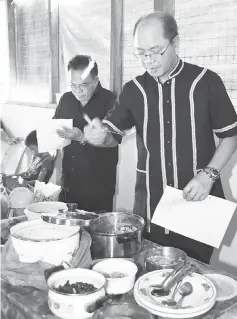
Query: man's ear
[(176, 42)]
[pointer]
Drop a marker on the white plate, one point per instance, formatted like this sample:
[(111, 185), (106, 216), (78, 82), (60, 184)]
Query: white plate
[(175, 316), (202, 297), (226, 287)]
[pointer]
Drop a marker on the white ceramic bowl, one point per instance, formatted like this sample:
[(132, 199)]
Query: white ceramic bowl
[(35, 210), (36, 240), (21, 197), (117, 265), (73, 306)]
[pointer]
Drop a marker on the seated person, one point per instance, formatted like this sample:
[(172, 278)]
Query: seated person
[(40, 168)]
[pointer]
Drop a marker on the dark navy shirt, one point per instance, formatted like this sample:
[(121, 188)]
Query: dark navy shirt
[(86, 169), (174, 124)]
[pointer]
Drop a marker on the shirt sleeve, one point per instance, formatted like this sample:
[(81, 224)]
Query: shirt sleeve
[(58, 109), (222, 111), (120, 117), (47, 165)]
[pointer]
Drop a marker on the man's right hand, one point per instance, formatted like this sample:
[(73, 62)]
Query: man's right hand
[(95, 133)]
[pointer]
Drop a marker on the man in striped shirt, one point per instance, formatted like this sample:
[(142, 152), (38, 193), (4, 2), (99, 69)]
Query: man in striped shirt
[(175, 108)]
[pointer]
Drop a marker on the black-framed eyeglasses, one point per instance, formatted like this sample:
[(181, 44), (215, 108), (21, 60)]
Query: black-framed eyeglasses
[(75, 86), (153, 54)]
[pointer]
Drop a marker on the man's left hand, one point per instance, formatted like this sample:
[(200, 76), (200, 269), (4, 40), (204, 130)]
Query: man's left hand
[(198, 188), (70, 134)]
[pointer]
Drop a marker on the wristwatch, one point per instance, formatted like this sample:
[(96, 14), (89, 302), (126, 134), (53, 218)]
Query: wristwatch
[(212, 172)]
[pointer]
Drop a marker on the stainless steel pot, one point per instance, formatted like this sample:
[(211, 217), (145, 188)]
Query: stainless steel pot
[(116, 235)]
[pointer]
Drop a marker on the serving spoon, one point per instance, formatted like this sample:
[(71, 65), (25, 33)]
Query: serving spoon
[(171, 302), (185, 290), (171, 280)]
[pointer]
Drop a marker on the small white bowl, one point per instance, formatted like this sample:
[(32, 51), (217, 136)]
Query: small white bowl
[(116, 286), (34, 211)]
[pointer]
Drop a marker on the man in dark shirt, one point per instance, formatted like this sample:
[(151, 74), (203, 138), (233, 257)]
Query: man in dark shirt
[(88, 172), (175, 107)]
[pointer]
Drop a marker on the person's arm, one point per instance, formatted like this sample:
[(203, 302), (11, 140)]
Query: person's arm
[(224, 125), (200, 186), (224, 152), (109, 132)]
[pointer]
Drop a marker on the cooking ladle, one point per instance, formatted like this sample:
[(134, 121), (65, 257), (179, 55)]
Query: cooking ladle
[(185, 290)]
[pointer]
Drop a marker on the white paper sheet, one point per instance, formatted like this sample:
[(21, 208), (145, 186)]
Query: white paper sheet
[(205, 221), (47, 137), (46, 190)]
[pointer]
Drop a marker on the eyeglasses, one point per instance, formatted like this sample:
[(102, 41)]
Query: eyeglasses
[(75, 86), (154, 53)]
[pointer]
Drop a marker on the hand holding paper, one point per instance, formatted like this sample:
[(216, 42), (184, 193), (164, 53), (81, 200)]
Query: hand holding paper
[(47, 136), (70, 134), (205, 221)]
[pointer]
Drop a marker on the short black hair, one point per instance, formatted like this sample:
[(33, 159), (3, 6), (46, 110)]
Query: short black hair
[(168, 21), (80, 62), (31, 139)]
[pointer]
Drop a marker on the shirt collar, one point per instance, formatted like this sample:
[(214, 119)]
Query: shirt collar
[(177, 69), (97, 89)]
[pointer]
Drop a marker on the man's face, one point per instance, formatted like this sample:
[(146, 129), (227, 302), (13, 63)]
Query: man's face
[(149, 40), (82, 89), (34, 149)]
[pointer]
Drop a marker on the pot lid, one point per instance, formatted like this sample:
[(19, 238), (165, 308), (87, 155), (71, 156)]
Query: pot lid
[(69, 217)]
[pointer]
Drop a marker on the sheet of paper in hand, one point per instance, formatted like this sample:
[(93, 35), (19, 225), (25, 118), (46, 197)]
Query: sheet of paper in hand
[(205, 221), (47, 136)]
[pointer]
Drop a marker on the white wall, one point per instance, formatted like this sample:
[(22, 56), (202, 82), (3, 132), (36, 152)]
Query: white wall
[(22, 119)]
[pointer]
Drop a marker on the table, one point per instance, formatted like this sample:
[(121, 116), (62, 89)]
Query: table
[(38, 299)]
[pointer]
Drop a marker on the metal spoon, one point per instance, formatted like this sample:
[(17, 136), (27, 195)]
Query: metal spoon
[(178, 274), (172, 274), (171, 302), (185, 290)]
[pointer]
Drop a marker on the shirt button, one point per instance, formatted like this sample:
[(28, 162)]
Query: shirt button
[(168, 122), (168, 142), (169, 164), (73, 169), (168, 101), (168, 82), (73, 156)]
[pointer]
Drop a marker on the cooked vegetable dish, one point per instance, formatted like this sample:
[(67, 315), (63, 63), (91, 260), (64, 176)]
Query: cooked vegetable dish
[(164, 260), (115, 274), (75, 288), (123, 229)]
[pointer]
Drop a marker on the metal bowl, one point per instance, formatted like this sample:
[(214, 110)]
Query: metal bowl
[(164, 258)]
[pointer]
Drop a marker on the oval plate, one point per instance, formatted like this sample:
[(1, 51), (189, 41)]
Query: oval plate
[(203, 295), (226, 286)]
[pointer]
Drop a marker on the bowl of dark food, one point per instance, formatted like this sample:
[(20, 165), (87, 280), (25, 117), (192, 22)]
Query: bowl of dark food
[(164, 258), (119, 273), (72, 290), (116, 235)]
